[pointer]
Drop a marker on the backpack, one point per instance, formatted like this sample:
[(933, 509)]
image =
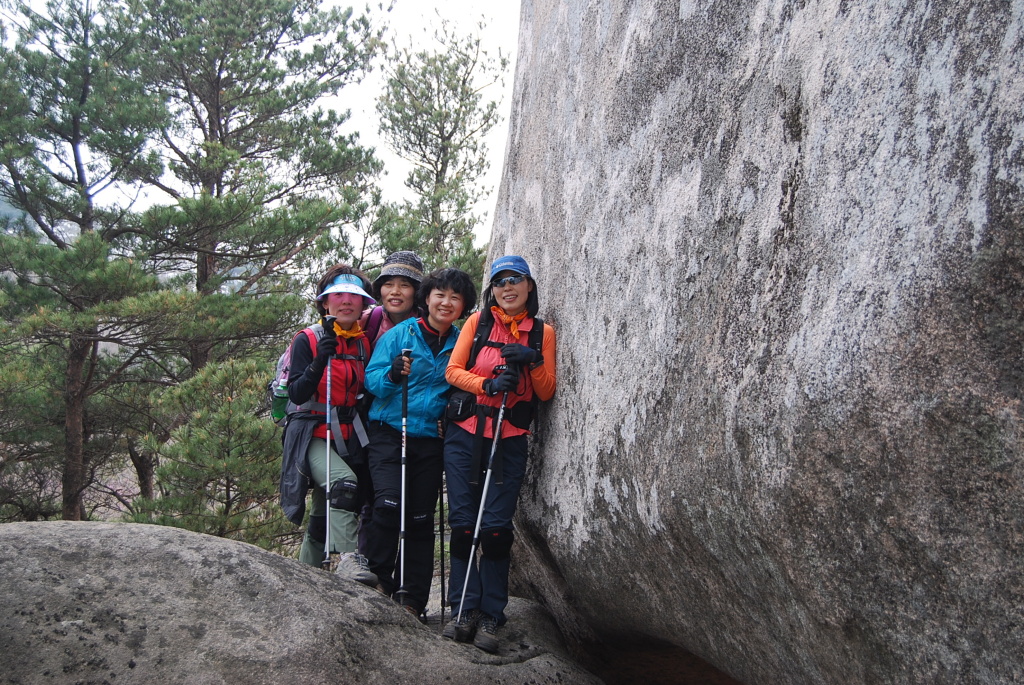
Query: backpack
[(277, 389), (373, 324), (483, 333)]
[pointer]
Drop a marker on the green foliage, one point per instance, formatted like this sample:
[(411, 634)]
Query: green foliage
[(28, 489), (433, 114), (76, 117), (209, 110), (81, 128), (170, 179), (218, 471)]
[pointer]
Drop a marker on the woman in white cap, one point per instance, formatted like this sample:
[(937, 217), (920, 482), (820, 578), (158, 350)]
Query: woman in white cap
[(503, 355), (342, 347)]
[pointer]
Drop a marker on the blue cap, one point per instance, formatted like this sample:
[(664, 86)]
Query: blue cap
[(510, 263)]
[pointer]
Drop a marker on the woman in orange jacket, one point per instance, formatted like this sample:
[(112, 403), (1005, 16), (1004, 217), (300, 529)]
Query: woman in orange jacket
[(504, 368)]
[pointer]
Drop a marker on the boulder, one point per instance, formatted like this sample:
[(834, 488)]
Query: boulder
[(782, 244), (130, 603)]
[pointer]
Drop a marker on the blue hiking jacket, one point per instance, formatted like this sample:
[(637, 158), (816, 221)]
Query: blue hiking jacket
[(428, 389)]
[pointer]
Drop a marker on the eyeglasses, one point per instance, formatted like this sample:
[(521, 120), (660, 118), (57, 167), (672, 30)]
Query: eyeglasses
[(508, 280)]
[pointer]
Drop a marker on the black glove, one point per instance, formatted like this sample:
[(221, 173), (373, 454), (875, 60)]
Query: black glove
[(325, 347), (514, 353), (506, 382), (397, 367)]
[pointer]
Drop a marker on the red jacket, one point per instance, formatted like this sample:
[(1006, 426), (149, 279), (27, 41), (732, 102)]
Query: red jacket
[(347, 376), (539, 380)]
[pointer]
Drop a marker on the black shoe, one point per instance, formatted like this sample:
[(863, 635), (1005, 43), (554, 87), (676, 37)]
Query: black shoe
[(461, 628), (486, 634), (420, 615)]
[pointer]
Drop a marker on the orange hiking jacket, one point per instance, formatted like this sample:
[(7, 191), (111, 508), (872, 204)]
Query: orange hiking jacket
[(539, 380)]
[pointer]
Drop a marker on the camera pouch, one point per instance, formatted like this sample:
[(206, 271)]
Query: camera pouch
[(461, 405), (521, 414)]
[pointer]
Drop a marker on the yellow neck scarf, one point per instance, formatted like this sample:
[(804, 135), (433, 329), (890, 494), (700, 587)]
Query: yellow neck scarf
[(353, 332), (511, 321)]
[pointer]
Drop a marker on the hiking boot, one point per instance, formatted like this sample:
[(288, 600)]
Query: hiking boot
[(461, 629), (354, 566), (419, 614), (486, 634)]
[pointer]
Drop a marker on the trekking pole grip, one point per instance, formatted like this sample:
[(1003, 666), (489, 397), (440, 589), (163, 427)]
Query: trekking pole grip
[(407, 353)]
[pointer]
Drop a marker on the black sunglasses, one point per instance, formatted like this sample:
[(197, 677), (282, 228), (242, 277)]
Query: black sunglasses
[(508, 280)]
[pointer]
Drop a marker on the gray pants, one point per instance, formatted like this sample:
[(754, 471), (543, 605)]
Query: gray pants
[(343, 523)]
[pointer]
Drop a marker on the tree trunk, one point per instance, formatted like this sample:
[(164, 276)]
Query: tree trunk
[(206, 264), (145, 468), (73, 481)]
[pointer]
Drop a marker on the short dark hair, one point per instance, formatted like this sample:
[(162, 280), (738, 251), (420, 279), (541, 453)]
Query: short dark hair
[(333, 273), (445, 279)]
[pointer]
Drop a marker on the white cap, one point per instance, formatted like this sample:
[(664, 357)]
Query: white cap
[(346, 283)]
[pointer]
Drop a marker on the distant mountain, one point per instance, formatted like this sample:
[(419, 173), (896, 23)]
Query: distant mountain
[(6, 209)]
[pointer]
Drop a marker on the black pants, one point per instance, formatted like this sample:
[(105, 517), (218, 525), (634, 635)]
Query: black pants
[(424, 466)]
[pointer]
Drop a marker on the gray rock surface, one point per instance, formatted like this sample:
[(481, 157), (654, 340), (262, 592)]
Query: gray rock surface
[(782, 243), (127, 603)]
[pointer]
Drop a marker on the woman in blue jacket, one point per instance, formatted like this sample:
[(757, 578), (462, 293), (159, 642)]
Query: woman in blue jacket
[(445, 296)]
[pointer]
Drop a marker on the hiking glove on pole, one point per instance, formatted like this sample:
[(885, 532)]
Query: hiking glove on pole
[(397, 366), (506, 382), (515, 353), (326, 347)]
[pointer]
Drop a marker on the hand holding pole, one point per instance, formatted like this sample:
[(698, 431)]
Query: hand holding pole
[(328, 331), (406, 353)]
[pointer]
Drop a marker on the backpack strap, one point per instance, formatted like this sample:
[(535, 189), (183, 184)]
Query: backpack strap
[(373, 324), (313, 335), (536, 340), (353, 415), (483, 337), (357, 418)]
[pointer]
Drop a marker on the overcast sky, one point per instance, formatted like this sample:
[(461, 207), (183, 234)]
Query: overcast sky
[(414, 21)]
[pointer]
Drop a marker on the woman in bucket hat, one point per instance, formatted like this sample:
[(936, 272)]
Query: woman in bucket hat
[(342, 351), (506, 368), (395, 290)]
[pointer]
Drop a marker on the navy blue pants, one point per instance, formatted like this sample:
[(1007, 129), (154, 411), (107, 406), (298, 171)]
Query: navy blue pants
[(487, 589), (422, 486)]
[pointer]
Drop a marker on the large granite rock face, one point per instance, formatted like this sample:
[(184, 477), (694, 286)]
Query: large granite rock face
[(782, 243), (127, 603)]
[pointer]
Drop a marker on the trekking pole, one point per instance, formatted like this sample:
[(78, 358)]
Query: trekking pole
[(401, 529), (483, 501), (326, 563), (440, 535)]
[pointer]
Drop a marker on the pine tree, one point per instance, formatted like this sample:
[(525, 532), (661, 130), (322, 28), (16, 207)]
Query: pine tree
[(75, 124), (433, 114), (260, 173), (209, 112), (218, 472)]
